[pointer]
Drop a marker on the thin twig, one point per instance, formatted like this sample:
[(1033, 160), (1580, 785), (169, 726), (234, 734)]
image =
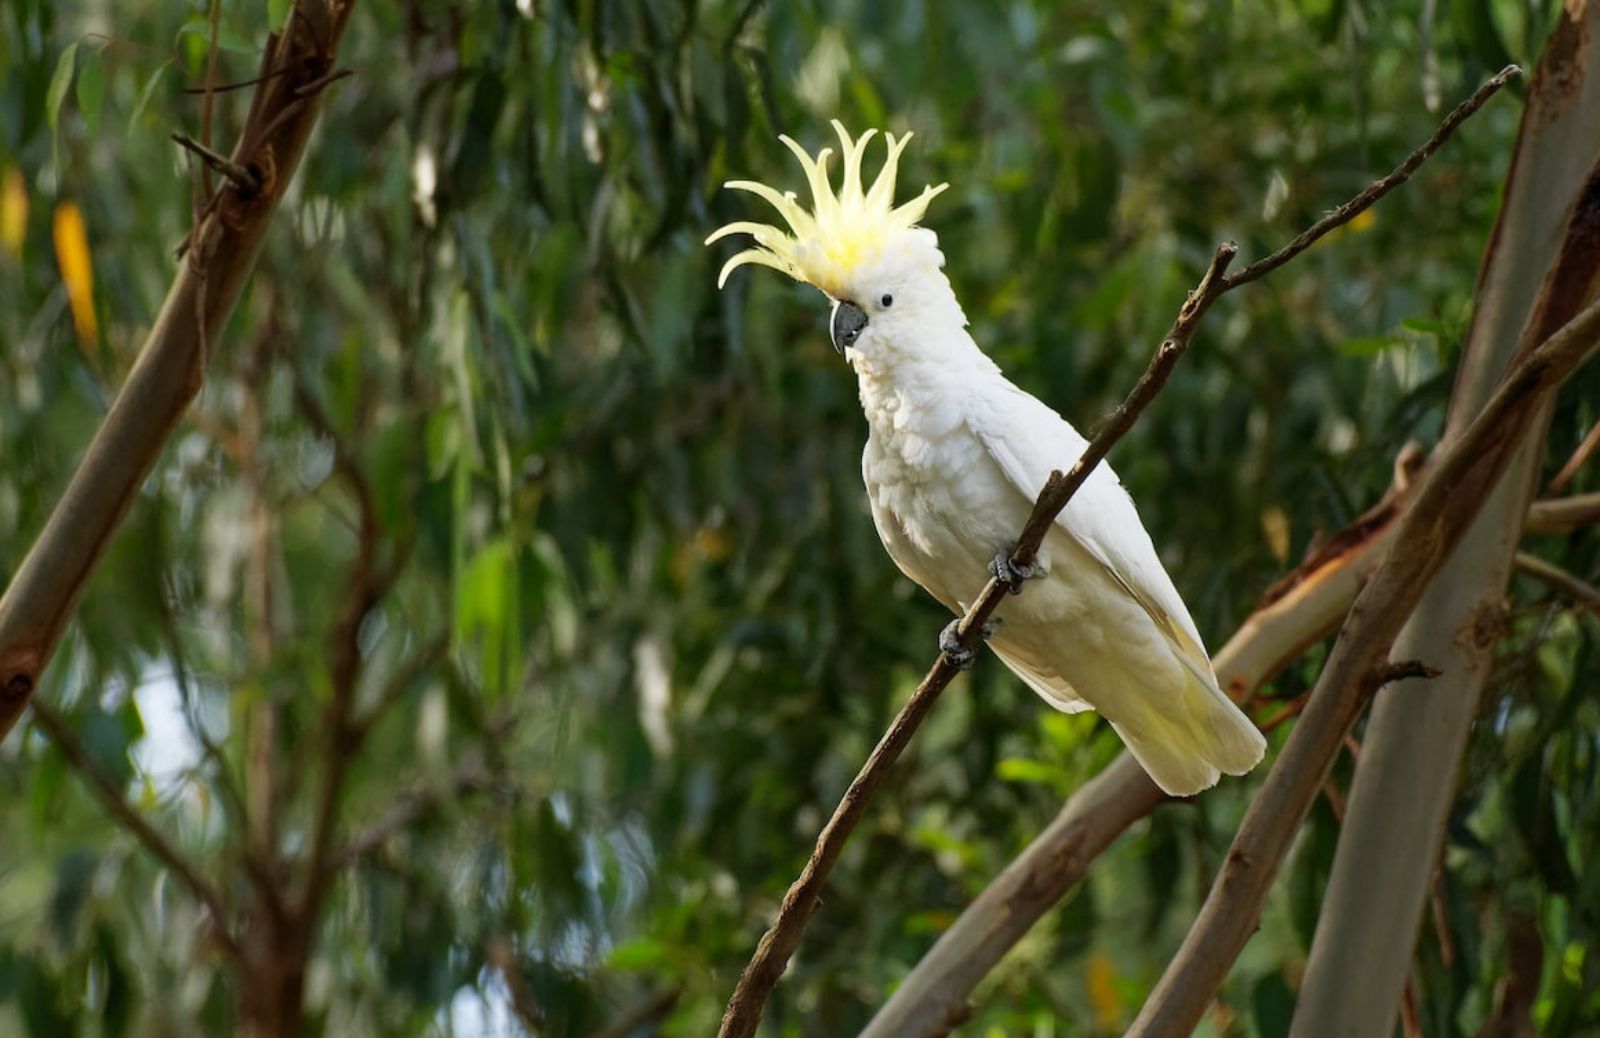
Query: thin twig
[(778, 944), (208, 104), (654, 1007), (1580, 457), (1410, 1020), (223, 88), (111, 798), (470, 777), (321, 83), (1378, 188), (242, 177), (1580, 591)]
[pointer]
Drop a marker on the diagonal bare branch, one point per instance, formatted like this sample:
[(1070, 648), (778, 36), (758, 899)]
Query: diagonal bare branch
[(412, 807), (151, 838), (222, 249), (1580, 591), (778, 944)]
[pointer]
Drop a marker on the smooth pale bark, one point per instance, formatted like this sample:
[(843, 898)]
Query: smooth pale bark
[(1407, 772)]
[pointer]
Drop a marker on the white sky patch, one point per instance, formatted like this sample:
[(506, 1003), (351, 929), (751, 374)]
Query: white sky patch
[(655, 693), (168, 748), (483, 1013)]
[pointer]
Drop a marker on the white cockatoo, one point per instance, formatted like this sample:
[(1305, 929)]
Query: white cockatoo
[(956, 455)]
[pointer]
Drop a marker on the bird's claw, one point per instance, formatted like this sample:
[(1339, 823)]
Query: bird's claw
[(959, 655), (1010, 574)]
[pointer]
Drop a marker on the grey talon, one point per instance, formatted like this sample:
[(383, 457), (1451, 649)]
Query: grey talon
[(1010, 574), (959, 655)]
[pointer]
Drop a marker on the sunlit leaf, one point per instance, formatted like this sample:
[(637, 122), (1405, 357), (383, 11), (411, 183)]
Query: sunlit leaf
[(13, 210), (77, 272)]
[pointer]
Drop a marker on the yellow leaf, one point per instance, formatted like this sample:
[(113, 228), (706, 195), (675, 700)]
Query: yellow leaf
[(712, 542), (1275, 525), (1363, 221), (1104, 998), (13, 211), (72, 255)]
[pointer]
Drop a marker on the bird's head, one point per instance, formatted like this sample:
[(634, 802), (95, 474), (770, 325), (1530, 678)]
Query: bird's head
[(867, 255)]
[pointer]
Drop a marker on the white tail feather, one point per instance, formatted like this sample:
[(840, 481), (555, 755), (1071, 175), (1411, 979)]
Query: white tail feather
[(1187, 745)]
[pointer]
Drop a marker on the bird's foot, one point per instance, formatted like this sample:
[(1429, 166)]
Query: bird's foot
[(959, 655), (1010, 574)]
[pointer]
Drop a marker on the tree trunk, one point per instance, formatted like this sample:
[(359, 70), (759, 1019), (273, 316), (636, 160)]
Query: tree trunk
[(1406, 775)]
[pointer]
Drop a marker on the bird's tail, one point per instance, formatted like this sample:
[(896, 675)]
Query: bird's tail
[(1185, 741)]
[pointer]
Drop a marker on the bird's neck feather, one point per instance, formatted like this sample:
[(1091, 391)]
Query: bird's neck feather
[(915, 365)]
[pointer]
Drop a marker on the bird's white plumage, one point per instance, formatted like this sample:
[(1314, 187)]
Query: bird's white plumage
[(955, 456)]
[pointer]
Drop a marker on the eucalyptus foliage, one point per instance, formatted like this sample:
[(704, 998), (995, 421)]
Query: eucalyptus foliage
[(630, 505)]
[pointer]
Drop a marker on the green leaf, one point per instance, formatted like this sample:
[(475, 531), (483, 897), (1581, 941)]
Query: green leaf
[(639, 955), (41, 1000), (486, 612), (117, 1007), (74, 878), (1272, 1001), (146, 92), (106, 739), (1475, 21), (1021, 769), (92, 90), (1424, 325), (227, 39), (59, 81), (1365, 345)]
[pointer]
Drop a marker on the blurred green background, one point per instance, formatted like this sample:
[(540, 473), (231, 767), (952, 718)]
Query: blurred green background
[(642, 631)]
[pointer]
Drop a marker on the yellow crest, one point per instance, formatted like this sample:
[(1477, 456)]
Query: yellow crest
[(841, 232)]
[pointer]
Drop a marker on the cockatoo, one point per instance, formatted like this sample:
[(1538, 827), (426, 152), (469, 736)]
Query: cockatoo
[(955, 456)]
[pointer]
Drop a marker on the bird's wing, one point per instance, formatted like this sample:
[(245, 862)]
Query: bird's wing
[(1028, 440), (1039, 676), (898, 544)]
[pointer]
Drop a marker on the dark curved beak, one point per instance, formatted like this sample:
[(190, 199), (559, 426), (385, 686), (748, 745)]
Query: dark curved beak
[(848, 322)]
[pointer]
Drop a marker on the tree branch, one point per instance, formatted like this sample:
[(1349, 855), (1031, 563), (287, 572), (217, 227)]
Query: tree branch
[(1378, 188), (116, 805), (367, 584), (470, 777), (1451, 496), (760, 977), (1537, 273), (499, 954), (1581, 592), (1579, 458), (222, 246), (1563, 514)]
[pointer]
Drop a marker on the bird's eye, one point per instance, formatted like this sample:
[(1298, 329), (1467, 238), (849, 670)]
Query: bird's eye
[(887, 300)]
